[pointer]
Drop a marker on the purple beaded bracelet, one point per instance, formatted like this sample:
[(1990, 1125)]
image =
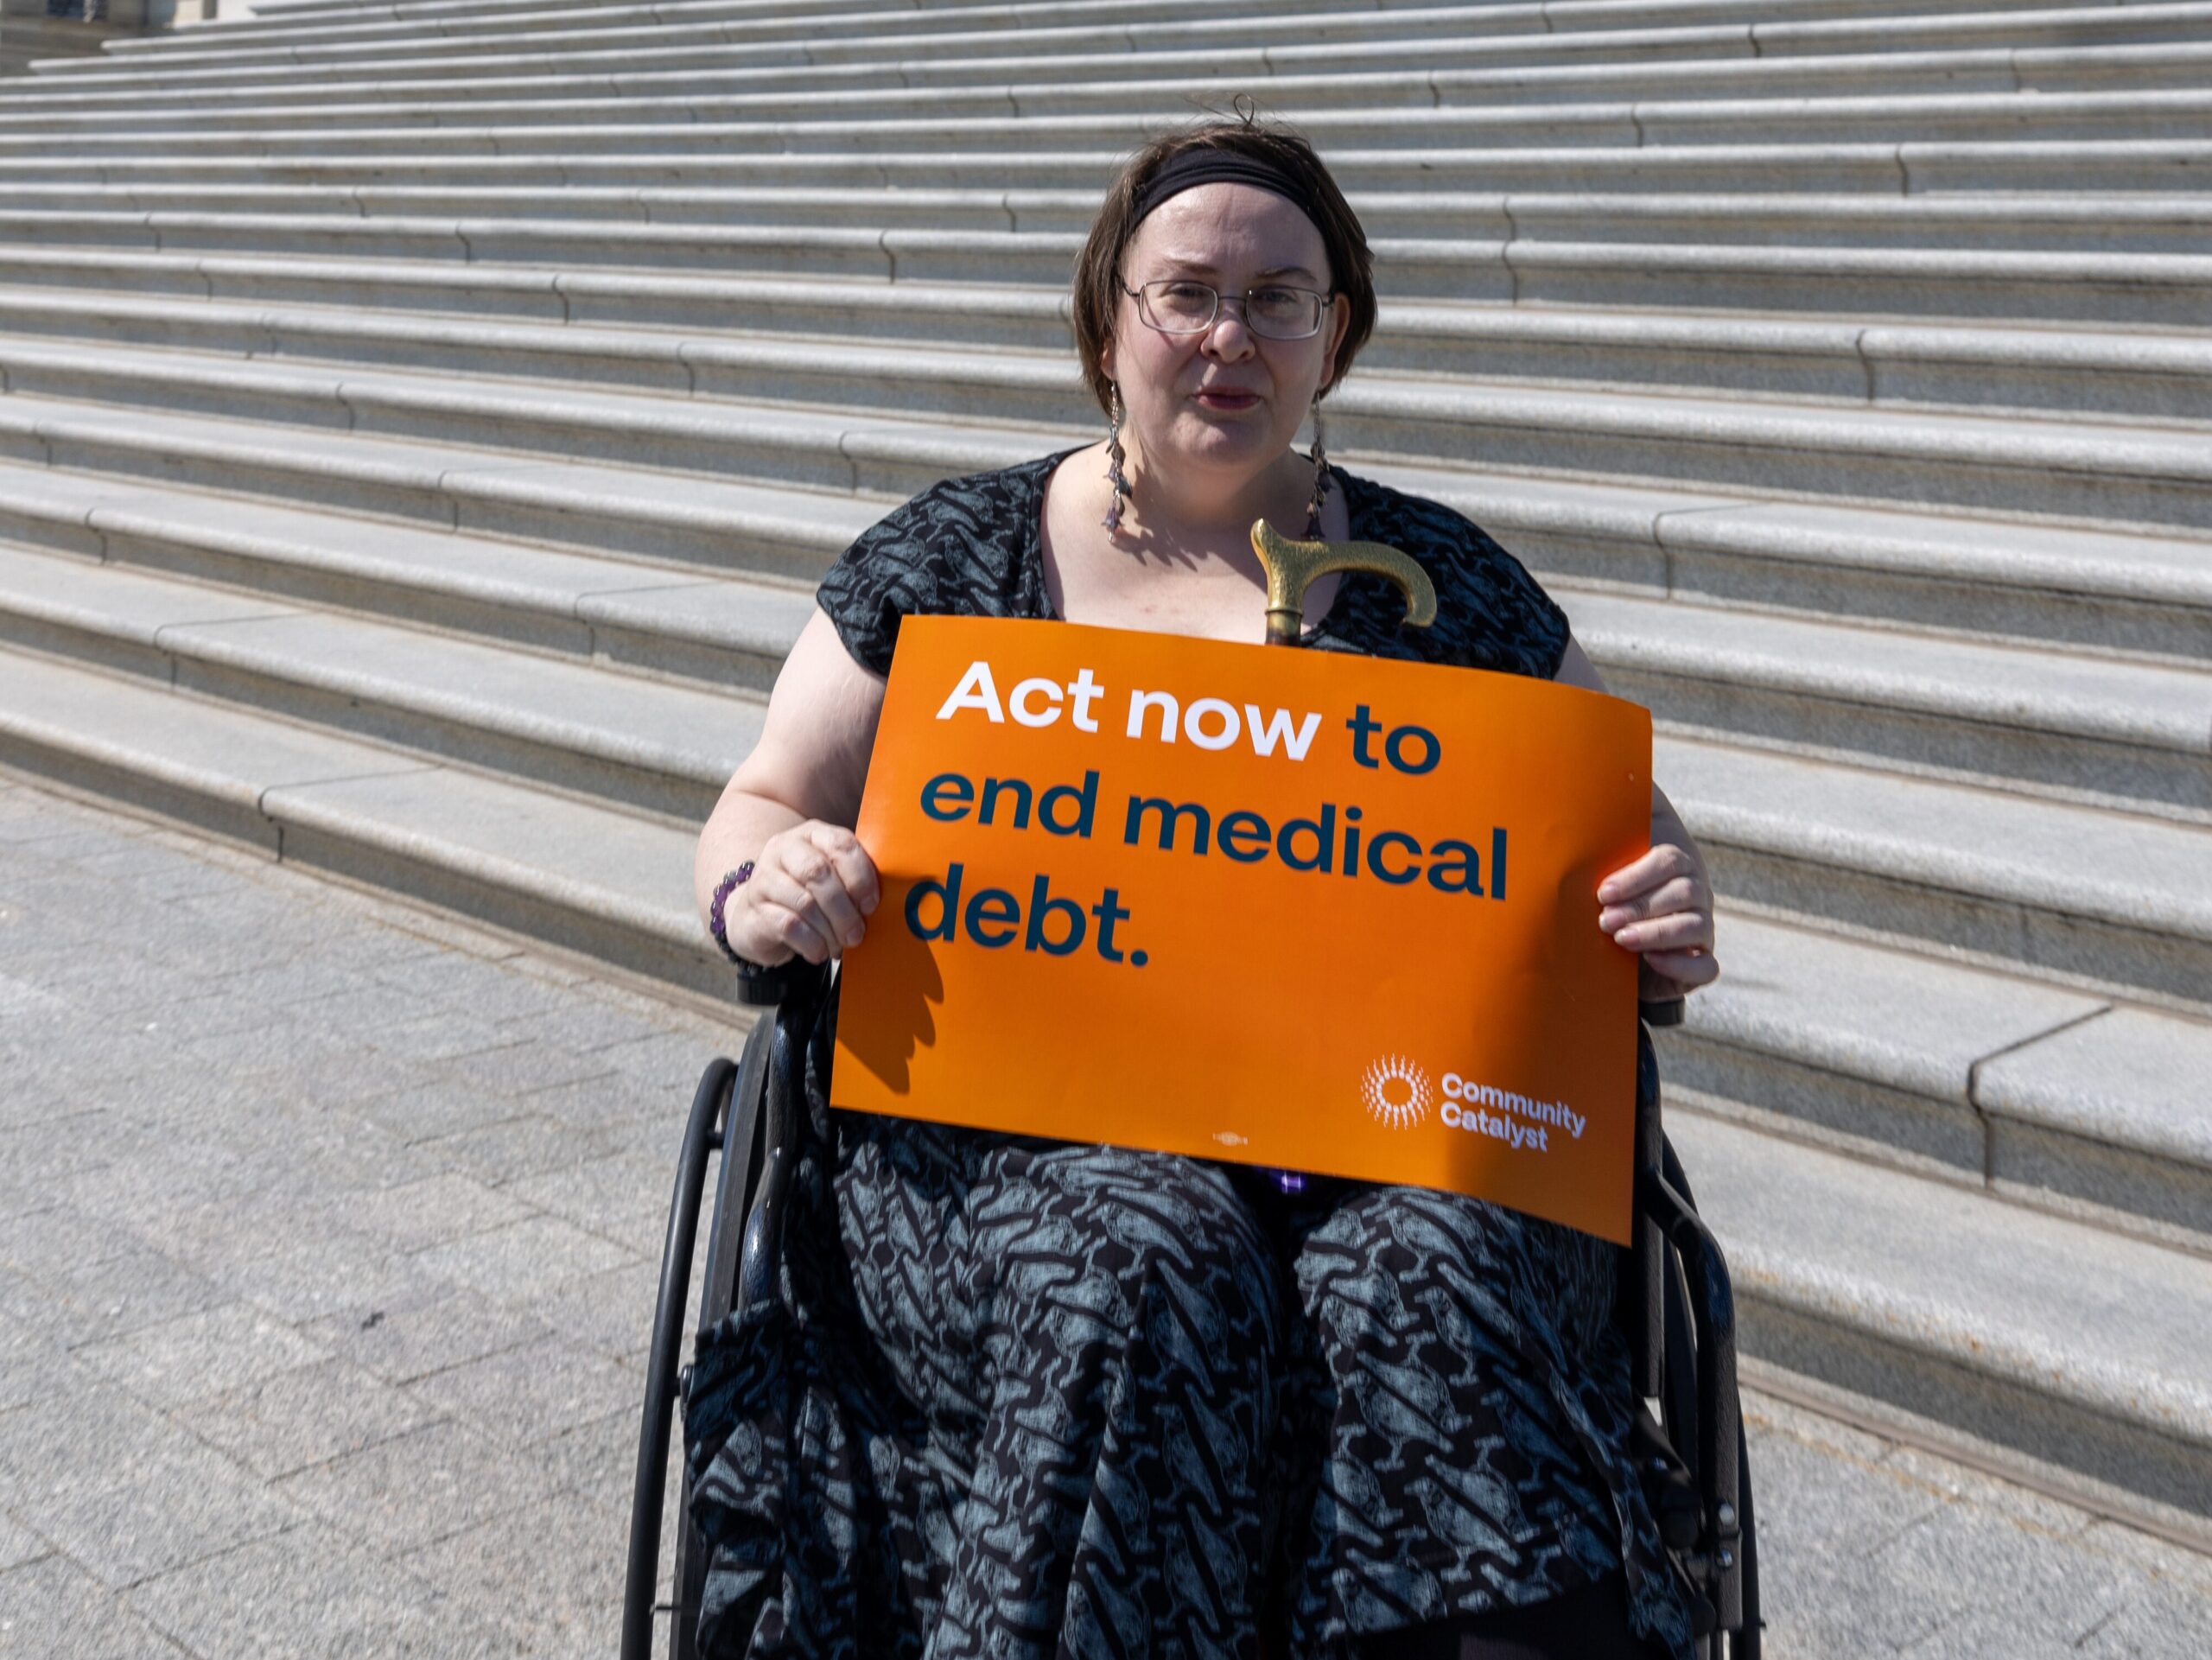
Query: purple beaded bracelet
[(729, 885)]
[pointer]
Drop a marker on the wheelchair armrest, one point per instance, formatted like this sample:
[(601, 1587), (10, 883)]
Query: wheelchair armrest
[(783, 1128)]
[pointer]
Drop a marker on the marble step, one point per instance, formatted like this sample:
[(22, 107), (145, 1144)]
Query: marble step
[(319, 13), (2171, 54), (2093, 730), (2167, 291), (617, 329), (2101, 590), (2112, 592), (371, 26), (667, 620), (787, 526), (2024, 166), (2090, 898), (2083, 728), (1299, 65), (2049, 1098), (2083, 1352), (2141, 222), (609, 883), (670, 125), (2142, 476), (844, 32), (625, 741)]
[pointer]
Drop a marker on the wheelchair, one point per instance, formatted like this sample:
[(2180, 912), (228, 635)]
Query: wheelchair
[(747, 1119)]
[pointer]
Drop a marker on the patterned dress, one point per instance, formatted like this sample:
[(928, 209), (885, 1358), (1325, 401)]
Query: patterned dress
[(1033, 1399)]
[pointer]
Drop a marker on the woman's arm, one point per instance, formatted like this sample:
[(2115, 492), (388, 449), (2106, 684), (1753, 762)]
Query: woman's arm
[(790, 808), (1661, 905)]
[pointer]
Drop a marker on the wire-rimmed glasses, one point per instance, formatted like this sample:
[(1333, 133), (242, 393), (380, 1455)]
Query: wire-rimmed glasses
[(1275, 311)]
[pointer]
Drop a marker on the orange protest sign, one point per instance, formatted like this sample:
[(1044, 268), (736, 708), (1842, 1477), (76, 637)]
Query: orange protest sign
[(1329, 912)]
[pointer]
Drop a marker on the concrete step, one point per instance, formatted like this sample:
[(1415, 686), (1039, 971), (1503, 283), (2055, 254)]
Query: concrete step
[(2144, 476), (635, 743), (1467, 79), (308, 14), (2042, 1336), (716, 525), (374, 29), (612, 884), (2142, 597), (2041, 1096), (2020, 166), (2101, 731), (669, 126), (2141, 222), (2095, 590), (2052, 40), (28, 44), (274, 26), (2162, 290), (2084, 727), (662, 619), (846, 34), (124, 299), (2082, 896)]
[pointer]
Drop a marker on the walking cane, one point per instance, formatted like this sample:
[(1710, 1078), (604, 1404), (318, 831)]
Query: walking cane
[(1293, 567)]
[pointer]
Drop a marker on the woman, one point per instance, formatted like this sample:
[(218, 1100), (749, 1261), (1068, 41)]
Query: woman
[(1028, 1398)]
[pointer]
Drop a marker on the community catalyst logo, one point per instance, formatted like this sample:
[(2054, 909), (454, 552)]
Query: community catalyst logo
[(1396, 1092), (1504, 1116)]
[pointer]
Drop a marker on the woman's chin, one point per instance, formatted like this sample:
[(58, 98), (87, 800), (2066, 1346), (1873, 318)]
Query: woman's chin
[(1215, 438)]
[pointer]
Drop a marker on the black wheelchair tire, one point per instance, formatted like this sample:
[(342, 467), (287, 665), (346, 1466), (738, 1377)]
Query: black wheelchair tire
[(737, 1173)]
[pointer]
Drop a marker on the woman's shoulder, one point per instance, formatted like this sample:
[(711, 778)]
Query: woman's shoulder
[(1492, 613), (959, 547), (1429, 530), (990, 510)]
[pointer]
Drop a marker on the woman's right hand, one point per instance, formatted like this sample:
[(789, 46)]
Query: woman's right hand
[(812, 888)]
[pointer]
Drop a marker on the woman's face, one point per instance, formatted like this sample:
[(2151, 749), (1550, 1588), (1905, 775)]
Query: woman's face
[(1226, 400)]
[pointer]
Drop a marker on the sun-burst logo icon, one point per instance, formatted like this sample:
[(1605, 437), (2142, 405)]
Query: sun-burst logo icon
[(1396, 1091)]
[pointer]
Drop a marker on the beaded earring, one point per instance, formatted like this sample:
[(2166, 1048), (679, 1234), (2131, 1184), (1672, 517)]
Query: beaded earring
[(1320, 480), (1114, 457)]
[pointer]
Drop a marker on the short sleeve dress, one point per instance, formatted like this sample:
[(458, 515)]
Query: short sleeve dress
[(1033, 1399)]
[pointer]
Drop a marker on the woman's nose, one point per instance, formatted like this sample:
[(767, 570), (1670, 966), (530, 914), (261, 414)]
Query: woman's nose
[(1227, 336)]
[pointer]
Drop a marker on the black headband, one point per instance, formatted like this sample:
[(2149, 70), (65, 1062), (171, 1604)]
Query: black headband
[(1204, 164)]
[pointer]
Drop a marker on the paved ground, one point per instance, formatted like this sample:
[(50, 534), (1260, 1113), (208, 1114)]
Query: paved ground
[(327, 1242)]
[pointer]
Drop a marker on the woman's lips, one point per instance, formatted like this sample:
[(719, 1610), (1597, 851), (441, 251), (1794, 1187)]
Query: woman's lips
[(1223, 399)]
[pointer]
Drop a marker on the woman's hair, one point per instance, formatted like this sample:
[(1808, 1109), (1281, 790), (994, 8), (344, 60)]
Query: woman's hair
[(1098, 269)]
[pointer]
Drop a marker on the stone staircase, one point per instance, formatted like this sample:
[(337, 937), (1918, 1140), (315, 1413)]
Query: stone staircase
[(423, 424), (33, 30)]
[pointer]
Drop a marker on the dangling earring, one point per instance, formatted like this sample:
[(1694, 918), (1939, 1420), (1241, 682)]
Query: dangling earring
[(1320, 480), (1114, 457)]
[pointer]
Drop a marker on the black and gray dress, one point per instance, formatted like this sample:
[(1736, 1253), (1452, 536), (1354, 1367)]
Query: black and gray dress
[(1027, 1398)]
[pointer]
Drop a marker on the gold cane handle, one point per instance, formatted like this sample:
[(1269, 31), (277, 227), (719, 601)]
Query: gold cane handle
[(1293, 567)]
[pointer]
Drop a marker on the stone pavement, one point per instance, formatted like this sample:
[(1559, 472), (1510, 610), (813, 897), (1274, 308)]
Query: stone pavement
[(328, 1232)]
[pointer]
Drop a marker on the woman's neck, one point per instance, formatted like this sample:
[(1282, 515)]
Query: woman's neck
[(1207, 504)]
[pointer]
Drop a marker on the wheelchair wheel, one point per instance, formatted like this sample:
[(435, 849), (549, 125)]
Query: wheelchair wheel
[(724, 1130), (739, 1175)]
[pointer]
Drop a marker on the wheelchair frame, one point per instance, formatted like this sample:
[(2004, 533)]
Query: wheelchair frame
[(1676, 1301)]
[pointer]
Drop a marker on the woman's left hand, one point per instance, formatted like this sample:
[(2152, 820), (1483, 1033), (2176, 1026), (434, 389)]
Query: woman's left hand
[(1661, 907)]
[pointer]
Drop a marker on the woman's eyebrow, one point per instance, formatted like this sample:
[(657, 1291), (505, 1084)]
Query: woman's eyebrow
[(1204, 268)]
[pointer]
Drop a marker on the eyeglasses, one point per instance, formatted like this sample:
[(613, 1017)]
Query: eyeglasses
[(1175, 306)]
